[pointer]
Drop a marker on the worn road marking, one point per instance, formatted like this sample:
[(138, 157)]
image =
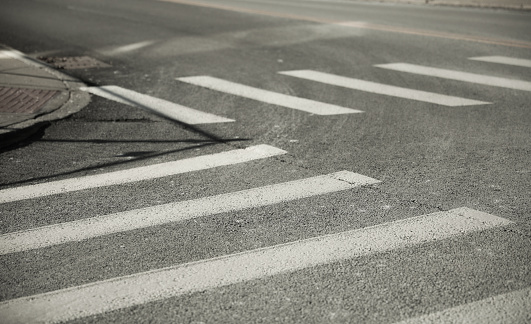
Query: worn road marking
[(383, 89), (179, 211), (503, 60), (117, 293), (155, 105), (275, 98), (513, 307), (458, 75), (140, 173), (125, 48)]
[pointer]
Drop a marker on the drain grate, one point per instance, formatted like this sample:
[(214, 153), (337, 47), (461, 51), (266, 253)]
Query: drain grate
[(74, 62), (23, 101)]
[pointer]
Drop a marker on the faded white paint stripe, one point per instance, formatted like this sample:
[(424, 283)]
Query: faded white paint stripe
[(155, 105), (459, 76), (126, 48), (141, 288), (270, 97), (513, 307), (503, 60), (383, 89), (174, 212), (140, 173), (5, 54)]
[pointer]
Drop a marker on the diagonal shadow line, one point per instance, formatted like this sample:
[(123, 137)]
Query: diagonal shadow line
[(100, 141), (145, 157), (186, 126)]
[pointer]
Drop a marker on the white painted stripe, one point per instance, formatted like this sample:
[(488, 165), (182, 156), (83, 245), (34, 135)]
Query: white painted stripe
[(270, 97), (140, 173), (126, 48), (155, 105), (513, 307), (179, 211), (383, 89), (141, 288), (5, 54), (503, 60), (459, 76)]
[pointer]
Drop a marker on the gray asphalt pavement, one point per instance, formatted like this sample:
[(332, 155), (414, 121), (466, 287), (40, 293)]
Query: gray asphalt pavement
[(136, 208)]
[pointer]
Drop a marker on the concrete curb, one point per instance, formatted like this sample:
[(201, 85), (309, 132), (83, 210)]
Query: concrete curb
[(75, 101)]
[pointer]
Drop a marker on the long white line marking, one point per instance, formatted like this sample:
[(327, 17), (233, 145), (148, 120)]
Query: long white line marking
[(513, 307), (275, 98), (379, 88), (117, 293), (155, 105), (459, 76), (126, 48), (179, 211), (140, 173), (503, 60)]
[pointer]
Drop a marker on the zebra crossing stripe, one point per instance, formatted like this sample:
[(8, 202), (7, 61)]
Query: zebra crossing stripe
[(503, 60), (383, 89), (459, 76), (137, 289), (179, 211), (155, 105), (270, 97), (140, 173), (513, 307)]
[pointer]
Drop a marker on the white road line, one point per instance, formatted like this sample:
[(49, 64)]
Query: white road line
[(179, 211), (125, 48), (459, 76), (117, 293), (503, 60), (513, 307), (140, 173), (270, 97), (155, 105), (383, 89)]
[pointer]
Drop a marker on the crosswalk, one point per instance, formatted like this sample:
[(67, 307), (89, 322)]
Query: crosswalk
[(104, 296), (180, 211), (383, 89), (192, 116), (511, 307), (181, 279), (157, 106), (99, 297), (274, 98), (459, 76), (139, 174)]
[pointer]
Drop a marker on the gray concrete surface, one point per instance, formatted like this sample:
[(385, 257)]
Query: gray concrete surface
[(20, 71)]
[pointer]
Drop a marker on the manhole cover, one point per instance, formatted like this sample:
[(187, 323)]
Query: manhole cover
[(23, 101), (74, 62)]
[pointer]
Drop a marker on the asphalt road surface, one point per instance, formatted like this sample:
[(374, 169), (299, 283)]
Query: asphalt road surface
[(271, 161)]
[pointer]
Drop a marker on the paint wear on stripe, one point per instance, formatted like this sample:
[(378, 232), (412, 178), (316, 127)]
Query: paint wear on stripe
[(503, 60), (275, 98), (513, 307), (180, 211), (117, 293), (459, 76), (383, 89), (140, 173), (155, 105)]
